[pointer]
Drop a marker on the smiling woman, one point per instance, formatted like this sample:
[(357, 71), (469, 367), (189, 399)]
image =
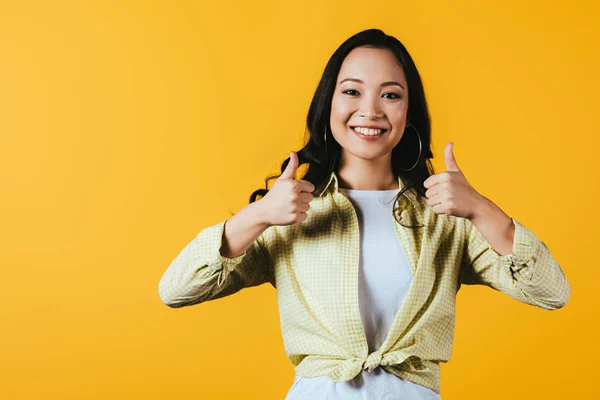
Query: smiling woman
[(369, 103), (366, 261), (367, 85)]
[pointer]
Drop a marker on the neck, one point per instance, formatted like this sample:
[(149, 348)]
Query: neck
[(360, 174)]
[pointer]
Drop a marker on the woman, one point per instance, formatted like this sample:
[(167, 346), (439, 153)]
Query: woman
[(369, 249)]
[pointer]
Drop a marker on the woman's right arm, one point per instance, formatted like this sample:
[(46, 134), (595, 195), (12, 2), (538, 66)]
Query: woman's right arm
[(229, 256), (223, 259)]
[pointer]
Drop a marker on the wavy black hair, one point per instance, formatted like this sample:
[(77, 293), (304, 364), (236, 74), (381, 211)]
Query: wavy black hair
[(322, 160)]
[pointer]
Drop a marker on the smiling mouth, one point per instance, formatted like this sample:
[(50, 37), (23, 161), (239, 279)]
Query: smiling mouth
[(368, 132)]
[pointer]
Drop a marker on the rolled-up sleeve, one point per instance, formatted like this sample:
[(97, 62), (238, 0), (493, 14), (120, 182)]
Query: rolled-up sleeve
[(200, 273), (529, 274)]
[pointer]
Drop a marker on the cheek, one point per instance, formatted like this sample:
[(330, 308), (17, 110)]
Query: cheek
[(340, 109), (399, 112)]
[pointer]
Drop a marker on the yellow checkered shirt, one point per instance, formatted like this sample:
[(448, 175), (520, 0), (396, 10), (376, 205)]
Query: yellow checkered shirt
[(314, 267)]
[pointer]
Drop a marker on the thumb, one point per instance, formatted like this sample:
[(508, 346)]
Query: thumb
[(451, 164), (292, 167)]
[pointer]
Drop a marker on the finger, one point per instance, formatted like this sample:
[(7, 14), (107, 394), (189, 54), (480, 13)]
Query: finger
[(306, 186), (301, 217), (451, 164), (435, 200), (303, 207), (432, 181), (305, 197), (439, 209), (292, 167), (432, 191)]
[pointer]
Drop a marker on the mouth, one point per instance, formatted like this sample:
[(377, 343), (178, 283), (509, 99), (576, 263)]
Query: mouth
[(369, 134)]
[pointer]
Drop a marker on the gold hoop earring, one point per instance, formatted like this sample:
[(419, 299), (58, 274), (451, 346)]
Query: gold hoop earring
[(420, 148)]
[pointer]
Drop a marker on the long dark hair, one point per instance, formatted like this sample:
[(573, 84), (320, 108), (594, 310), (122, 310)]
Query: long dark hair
[(323, 161)]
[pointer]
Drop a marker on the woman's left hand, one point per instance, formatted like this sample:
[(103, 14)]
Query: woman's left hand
[(449, 192)]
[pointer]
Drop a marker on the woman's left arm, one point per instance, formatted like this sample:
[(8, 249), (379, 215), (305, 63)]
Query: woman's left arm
[(503, 254), (499, 251)]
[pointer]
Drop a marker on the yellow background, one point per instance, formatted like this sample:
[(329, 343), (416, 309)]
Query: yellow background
[(126, 127)]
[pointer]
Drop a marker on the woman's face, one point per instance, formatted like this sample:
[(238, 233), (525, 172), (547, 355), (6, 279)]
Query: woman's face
[(371, 90)]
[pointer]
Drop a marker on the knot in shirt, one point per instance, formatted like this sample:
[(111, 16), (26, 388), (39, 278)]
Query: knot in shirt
[(372, 361)]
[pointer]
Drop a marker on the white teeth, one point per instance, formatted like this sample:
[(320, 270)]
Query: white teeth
[(370, 132)]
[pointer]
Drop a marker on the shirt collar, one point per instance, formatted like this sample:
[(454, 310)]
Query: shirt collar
[(332, 185)]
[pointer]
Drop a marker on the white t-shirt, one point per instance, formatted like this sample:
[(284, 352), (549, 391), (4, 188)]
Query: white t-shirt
[(384, 279)]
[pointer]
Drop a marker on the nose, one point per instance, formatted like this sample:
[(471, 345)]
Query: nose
[(369, 107)]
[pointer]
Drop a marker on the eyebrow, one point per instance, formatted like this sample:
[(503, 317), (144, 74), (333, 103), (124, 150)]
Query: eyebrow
[(387, 83)]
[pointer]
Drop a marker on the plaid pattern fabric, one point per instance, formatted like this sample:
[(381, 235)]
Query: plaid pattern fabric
[(314, 267)]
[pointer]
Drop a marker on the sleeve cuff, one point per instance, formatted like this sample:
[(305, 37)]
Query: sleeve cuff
[(214, 239), (525, 246)]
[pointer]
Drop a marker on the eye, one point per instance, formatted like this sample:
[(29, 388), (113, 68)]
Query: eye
[(393, 94)]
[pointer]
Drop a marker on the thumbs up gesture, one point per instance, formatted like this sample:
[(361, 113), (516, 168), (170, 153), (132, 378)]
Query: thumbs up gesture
[(449, 192), (288, 199)]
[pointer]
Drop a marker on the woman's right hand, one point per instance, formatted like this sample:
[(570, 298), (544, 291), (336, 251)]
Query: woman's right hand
[(287, 201)]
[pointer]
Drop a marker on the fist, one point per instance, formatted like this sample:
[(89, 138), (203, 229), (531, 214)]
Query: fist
[(287, 201), (449, 192)]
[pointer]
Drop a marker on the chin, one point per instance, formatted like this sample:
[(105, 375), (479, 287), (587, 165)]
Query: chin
[(366, 155)]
